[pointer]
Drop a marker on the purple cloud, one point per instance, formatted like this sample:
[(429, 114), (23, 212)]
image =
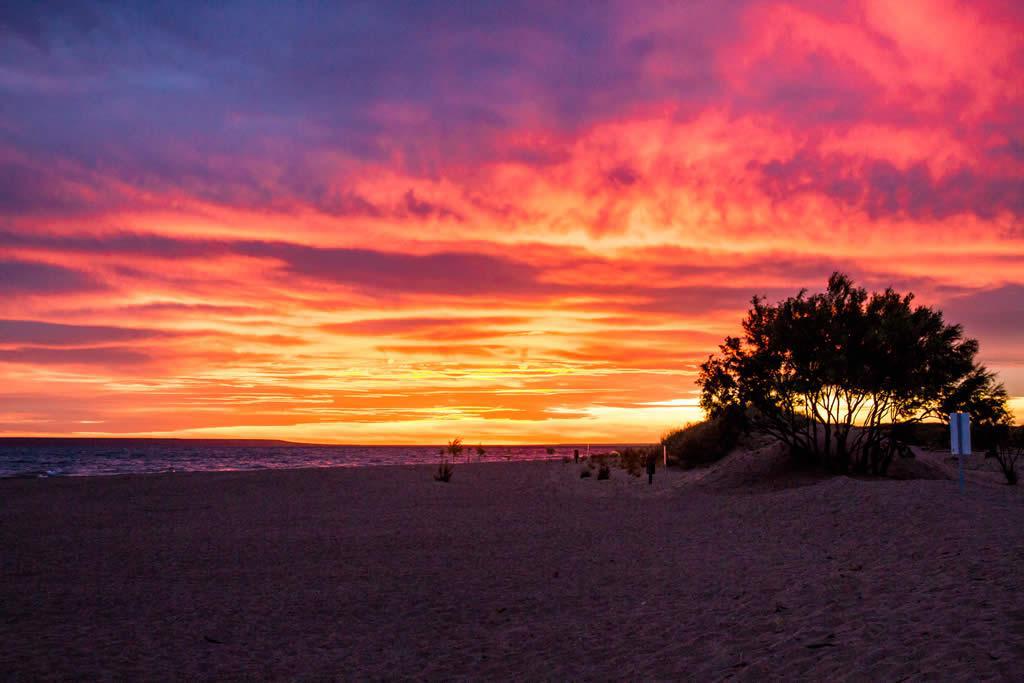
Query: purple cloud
[(112, 357), (37, 333), (30, 277)]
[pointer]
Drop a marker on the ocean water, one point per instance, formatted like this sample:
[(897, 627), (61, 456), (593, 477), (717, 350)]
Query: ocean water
[(92, 457)]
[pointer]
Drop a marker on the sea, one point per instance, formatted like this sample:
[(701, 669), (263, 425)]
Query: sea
[(40, 457)]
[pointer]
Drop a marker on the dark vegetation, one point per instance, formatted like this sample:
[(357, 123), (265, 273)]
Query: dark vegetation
[(444, 471), (633, 460), (703, 443), (454, 448), (1007, 449), (844, 379), (445, 468)]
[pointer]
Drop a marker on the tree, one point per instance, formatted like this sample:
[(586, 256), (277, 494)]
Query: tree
[(831, 374)]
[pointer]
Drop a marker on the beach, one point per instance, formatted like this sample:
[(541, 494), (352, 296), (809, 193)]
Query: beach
[(510, 571)]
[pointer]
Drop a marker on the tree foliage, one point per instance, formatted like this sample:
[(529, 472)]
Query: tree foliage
[(831, 373), (702, 443)]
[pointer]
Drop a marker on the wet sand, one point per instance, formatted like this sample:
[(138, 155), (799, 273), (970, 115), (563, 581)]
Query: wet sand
[(512, 570)]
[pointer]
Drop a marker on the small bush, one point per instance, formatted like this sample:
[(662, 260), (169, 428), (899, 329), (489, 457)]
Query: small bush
[(584, 473), (704, 442), (633, 460), (444, 471), (551, 451), (1007, 450), (604, 472), (480, 451)]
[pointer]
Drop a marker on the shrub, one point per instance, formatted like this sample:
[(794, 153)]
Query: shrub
[(480, 451), (454, 448), (633, 460), (1008, 451), (704, 442), (550, 450), (604, 472), (584, 473), (812, 367), (444, 471)]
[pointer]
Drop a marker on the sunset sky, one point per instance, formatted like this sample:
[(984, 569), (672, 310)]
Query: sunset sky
[(526, 222)]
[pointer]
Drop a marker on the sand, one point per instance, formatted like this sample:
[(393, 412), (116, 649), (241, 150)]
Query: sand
[(512, 570)]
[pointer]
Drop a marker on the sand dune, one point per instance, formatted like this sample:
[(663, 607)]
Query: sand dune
[(513, 570)]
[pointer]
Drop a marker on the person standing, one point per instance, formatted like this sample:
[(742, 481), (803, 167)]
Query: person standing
[(650, 467)]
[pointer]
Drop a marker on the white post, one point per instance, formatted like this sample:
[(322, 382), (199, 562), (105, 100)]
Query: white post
[(960, 440), (664, 455)]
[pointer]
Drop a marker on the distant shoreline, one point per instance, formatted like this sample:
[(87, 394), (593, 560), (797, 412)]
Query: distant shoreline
[(268, 471), (282, 442), (41, 457)]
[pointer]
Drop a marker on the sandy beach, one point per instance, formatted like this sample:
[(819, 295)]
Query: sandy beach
[(510, 571)]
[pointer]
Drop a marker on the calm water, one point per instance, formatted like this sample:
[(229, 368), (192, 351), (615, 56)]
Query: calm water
[(87, 457)]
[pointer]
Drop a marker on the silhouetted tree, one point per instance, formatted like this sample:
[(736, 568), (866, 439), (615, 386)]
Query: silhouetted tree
[(829, 374)]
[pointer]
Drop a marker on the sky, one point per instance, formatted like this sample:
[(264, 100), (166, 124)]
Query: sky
[(518, 222)]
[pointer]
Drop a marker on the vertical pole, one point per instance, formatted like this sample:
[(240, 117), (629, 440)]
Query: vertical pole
[(960, 447), (664, 455)]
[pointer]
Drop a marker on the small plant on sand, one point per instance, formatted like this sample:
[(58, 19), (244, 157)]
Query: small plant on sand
[(550, 450), (444, 471), (1008, 451), (604, 472), (480, 452), (454, 448), (585, 473), (445, 468), (633, 460)]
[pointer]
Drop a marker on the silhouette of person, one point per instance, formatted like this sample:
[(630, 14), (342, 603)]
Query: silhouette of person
[(576, 455), (650, 468)]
